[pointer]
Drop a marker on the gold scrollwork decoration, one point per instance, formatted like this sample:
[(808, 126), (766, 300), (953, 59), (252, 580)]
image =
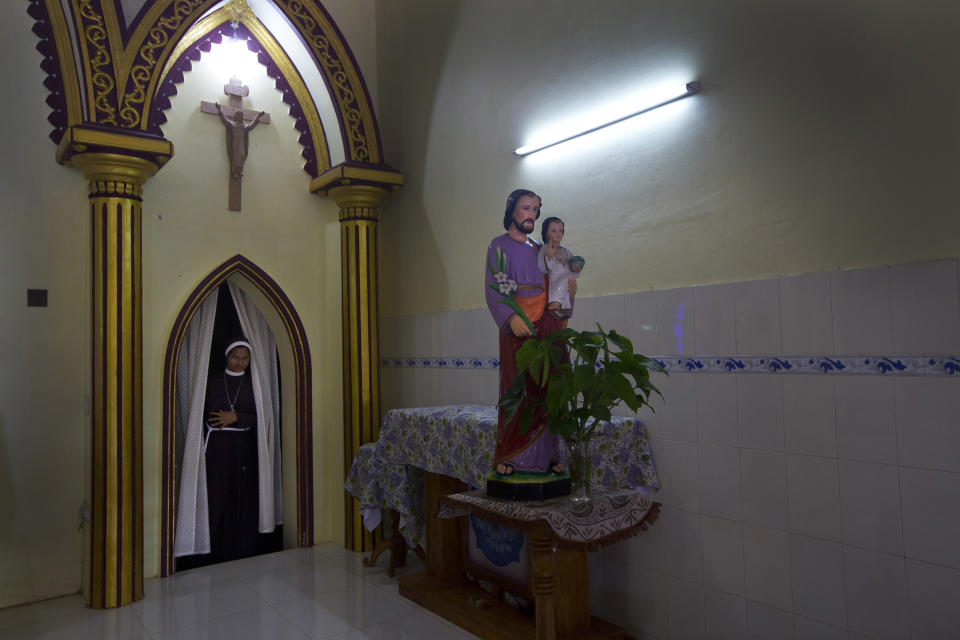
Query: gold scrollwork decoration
[(96, 35), (141, 74), (339, 79)]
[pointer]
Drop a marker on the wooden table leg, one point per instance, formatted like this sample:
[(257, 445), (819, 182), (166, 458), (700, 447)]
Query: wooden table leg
[(421, 554), (380, 547), (395, 544), (398, 546), (543, 581), (385, 544), (445, 539), (572, 602)]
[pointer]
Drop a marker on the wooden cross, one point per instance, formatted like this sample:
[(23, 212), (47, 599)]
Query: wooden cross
[(239, 122)]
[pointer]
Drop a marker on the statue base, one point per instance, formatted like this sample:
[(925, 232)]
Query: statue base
[(524, 485)]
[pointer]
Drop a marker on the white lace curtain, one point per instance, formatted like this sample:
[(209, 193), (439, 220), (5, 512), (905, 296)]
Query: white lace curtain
[(193, 529), (266, 394), (193, 363)]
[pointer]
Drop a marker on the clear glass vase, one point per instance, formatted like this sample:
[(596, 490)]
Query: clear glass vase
[(579, 461)]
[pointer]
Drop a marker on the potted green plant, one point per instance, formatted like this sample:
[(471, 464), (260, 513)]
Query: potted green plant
[(586, 374)]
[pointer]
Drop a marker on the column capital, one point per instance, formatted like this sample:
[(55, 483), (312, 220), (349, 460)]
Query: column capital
[(112, 174), (358, 202), (379, 177), (97, 148)]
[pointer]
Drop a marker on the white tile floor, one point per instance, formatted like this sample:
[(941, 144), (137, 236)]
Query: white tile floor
[(320, 592)]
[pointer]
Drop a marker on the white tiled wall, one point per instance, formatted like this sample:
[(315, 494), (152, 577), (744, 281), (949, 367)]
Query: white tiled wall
[(795, 506)]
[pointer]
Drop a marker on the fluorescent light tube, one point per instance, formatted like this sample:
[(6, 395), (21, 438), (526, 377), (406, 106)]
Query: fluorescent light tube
[(690, 89)]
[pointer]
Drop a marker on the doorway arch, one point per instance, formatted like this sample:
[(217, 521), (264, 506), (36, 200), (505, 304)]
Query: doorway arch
[(303, 418)]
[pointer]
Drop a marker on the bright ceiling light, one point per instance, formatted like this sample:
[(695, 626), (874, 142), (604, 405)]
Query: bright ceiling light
[(232, 58), (590, 127)]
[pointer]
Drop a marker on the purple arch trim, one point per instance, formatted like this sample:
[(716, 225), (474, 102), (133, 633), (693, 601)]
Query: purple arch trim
[(168, 86), (51, 66), (303, 401)]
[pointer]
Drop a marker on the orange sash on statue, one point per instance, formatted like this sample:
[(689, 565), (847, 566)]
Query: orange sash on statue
[(533, 306)]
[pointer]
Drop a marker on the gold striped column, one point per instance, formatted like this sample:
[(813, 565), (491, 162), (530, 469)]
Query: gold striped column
[(116, 570), (359, 193), (117, 166)]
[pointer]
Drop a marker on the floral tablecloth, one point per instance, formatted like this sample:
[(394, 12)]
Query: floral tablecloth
[(459, 441), (376, 483)]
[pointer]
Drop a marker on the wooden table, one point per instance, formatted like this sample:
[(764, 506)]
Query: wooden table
[(425, 453), (459, 441), (558, 541)]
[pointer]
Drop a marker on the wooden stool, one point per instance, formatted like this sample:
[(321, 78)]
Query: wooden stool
[(397, 547)]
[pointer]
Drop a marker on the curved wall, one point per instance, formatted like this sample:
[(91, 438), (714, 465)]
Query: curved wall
[(816, 144)]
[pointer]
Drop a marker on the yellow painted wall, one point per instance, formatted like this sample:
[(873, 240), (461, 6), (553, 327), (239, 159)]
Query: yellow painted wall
[(825, 137), (44, 353)]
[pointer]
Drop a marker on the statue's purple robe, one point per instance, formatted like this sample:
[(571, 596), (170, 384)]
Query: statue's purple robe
[(536, 449)]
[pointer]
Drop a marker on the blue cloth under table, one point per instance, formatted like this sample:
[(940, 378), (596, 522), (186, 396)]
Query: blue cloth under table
[(459, 441)]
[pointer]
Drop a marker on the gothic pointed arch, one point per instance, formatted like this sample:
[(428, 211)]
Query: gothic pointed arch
[(297, 336), (122, 69)]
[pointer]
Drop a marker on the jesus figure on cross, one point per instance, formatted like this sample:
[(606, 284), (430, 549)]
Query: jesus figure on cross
[(238, 139), (239, 122)]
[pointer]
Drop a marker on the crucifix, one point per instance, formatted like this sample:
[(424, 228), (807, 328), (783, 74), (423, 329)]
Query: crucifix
[(239, 122)]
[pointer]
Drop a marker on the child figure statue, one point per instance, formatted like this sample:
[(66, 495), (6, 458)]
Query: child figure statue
[(560, 265)]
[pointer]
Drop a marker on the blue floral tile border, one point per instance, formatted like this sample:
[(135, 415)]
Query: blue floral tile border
[(440, 363), (899, 365), (876, 365)]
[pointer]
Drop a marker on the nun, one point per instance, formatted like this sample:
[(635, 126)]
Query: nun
[(230, 448)]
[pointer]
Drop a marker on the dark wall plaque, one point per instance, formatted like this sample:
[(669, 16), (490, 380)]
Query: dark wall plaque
[(36, 297)]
